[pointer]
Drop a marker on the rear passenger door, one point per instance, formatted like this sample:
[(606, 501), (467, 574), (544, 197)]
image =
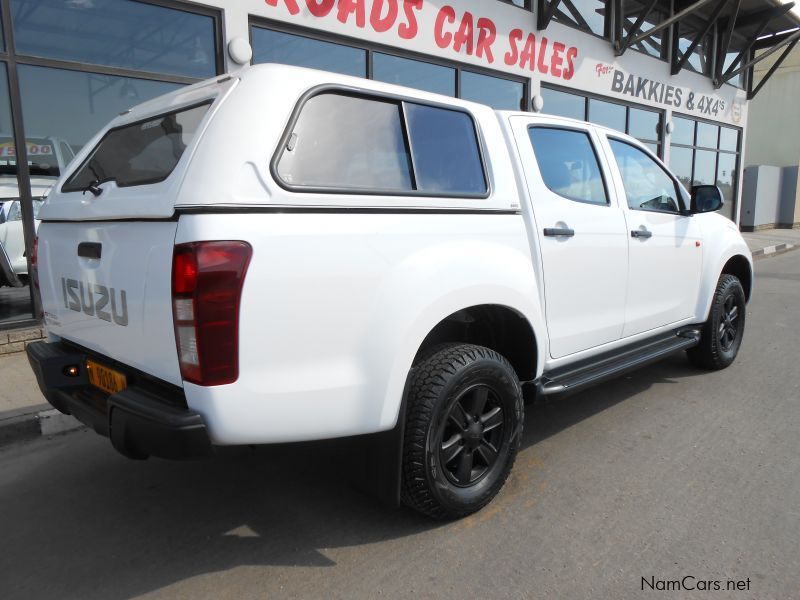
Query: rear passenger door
[(581, 232), (665, 244)]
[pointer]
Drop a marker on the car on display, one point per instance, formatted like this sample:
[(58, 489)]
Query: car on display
[(226, 265), (47, 158)]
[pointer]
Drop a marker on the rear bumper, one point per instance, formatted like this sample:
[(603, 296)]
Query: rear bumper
[(140, 420)]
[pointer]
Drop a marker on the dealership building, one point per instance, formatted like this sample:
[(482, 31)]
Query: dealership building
[(676, 75)]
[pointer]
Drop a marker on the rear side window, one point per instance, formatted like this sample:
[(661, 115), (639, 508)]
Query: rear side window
[(139, 153), (568, 164), (343, 142), (348, 142)]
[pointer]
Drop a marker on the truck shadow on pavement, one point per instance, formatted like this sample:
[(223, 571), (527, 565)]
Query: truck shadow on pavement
[(79, 521)]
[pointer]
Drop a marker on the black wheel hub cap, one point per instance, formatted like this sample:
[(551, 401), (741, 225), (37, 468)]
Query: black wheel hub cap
[(472, 435), (728, 323)]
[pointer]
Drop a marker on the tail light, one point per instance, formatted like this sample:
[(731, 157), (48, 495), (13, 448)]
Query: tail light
[(207, 280)]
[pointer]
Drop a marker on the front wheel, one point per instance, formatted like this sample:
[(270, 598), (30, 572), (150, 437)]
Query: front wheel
[(721, 336), (463, 428)]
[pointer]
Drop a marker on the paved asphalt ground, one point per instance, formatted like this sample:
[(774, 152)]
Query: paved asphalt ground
[(666, 473)]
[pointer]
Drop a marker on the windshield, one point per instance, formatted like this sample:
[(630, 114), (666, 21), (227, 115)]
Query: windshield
[(139, 153), (42, 158)]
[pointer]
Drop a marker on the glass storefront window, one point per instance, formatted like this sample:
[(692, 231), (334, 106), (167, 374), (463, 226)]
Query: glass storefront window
[(117, 33), (705, 164), (726, 174), (500, 94), (707, 135), (728, 139), (564, 104), (680, 162), (286, 48), (683, 131), (608, 114), (414, 73), (86, 102), (644, 124), (15, 302), (589, 15)]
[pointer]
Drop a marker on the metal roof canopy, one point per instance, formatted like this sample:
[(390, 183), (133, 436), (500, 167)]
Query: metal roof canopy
[(764, 26)]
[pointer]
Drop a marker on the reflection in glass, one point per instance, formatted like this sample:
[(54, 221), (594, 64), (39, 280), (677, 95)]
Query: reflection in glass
[(86, 101), (500, 94), (568, 164), (680, 163), (286, 48), (15, 302), (726, 178), (705, 162), (445, 150), (588, 15), (644, 124), (134, 35), (700, 58), (563, 104), (608, 114), (414, 73), (683, 131), (345, 153), (707, 135), (647, 185), (728, 139)]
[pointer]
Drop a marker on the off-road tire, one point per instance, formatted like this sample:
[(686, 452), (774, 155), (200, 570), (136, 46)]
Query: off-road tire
[(449, 375), (715, 350)]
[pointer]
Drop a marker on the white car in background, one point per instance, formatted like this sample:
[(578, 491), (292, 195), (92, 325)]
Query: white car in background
[(47, 157)]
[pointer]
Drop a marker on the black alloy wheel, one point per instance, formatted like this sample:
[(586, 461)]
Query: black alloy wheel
[(722, 334), (462, 430)]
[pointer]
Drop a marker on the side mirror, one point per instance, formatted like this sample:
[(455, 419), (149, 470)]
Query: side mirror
[(706, 198)]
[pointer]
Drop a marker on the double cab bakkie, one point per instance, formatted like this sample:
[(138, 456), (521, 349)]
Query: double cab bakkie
[(284, 255)]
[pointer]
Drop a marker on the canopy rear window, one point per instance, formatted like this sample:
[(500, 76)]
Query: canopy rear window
[(139, 153)]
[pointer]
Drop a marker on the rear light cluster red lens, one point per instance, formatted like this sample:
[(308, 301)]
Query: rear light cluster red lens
[(207, 279)]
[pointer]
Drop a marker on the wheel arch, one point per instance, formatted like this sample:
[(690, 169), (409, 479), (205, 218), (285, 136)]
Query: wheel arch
[(740, 267)]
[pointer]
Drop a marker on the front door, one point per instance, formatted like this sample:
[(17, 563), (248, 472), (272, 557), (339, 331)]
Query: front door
[(582, 236), (666, 250)]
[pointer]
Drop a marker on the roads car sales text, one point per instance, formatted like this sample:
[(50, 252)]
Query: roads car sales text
[(462, 32)]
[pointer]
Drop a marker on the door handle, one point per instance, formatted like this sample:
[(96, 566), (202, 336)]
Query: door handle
[(641, 233), (89, 249), (559, 232)]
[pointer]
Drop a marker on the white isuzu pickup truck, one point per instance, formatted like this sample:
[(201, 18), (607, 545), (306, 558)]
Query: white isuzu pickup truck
[(285, 254)]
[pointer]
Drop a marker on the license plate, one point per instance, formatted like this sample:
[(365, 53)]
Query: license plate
[(106, 379)]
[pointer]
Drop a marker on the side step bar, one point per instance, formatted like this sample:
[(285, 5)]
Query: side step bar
[(573, 378)]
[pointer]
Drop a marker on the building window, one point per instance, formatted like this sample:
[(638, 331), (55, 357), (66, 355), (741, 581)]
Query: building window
[(521, 3), (642, 123), (440, 77), (706, 153), (117, 33), (414, 73), (274, 46), (588, 15)]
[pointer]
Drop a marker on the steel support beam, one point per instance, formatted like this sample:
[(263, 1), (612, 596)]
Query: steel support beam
[(790, 40), (678, 65), (725, 41), (753, 91), (545, 11), (673, 19), (620, 45)]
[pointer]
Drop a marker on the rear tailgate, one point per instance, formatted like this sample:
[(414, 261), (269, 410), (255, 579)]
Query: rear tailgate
[(119, 304), (107, 234)]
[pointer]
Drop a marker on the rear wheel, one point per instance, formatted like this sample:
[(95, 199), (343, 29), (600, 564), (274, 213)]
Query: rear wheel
[(463, 428), (722, 334)]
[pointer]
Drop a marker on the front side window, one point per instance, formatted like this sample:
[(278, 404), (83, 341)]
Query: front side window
[(347, 142), (568, 164), (139, 153), (647, 185)]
